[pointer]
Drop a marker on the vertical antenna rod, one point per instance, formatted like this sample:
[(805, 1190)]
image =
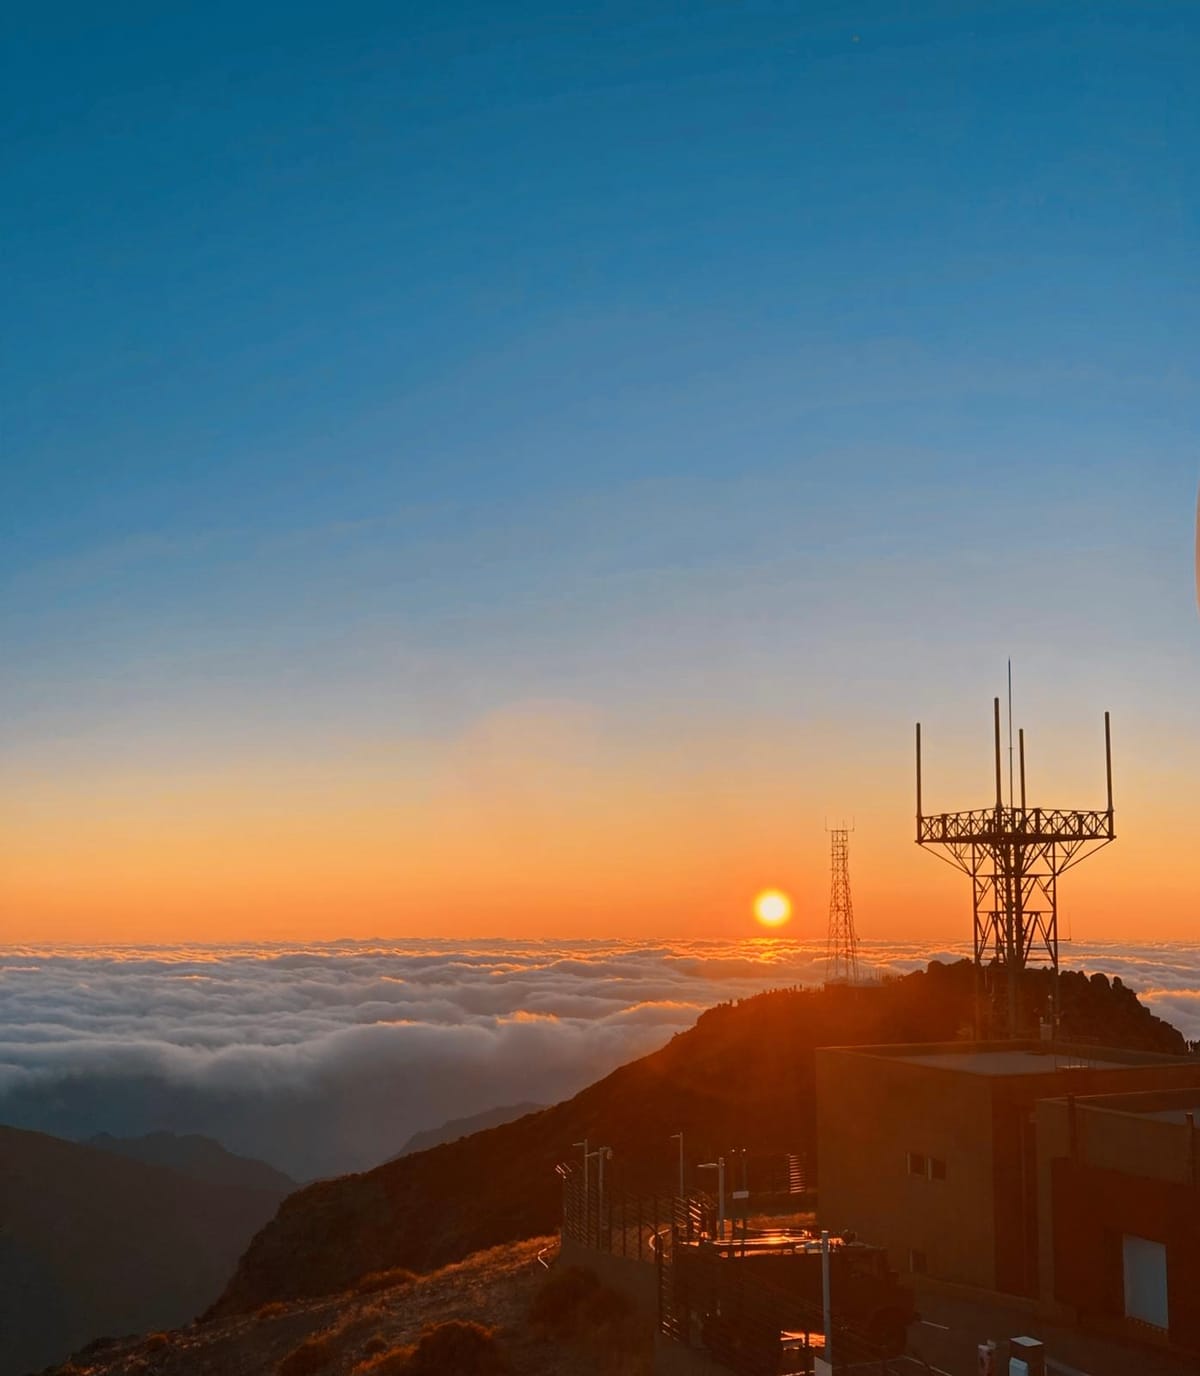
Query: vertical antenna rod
[(1011, 800), (999, 792), (1108, 768), (1021, 744), (918, 781)]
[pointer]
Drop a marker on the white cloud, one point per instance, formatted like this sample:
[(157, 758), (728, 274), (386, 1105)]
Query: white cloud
[(326, 1058)]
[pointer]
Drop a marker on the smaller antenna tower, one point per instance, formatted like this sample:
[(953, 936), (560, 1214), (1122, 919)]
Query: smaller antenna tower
[(841, 952)]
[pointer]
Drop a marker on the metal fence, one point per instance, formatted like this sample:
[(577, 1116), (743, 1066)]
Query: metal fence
[(706, 1300), (636, 1226)]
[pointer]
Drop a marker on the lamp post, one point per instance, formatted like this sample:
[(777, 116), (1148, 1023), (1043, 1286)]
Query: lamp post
[(826, 1301), (601, 1154), (679, 1136), (584, 1145), (719, 1166)]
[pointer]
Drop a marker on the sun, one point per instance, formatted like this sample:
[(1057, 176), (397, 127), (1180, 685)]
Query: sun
[(772, 908)]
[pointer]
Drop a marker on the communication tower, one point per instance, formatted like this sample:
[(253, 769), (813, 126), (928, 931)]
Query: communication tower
[(841, 951), (1014, 856)]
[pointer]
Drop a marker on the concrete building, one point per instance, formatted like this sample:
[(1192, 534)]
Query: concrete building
[(1119, 1212), (931, 1150)]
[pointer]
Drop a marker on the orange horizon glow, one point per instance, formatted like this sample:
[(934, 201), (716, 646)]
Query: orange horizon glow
[(539, 822)]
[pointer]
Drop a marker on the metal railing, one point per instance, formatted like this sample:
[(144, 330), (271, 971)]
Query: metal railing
[(705, 1298)]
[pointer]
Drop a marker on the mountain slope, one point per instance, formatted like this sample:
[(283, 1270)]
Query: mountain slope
[(346, 1332), (92, 1243), (742, 1076), (464, 1127), (202, 1158)]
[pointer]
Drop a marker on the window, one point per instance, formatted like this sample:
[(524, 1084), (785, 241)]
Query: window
[(927, 1167), (1145, 1267)]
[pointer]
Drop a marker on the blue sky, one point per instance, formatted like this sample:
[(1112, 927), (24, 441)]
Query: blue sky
[(713, 366)]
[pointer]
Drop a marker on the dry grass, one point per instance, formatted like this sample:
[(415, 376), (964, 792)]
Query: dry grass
[(375, 1281), (314, 1354)]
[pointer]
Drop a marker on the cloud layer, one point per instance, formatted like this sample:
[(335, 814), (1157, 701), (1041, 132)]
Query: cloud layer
[(326, 1058)]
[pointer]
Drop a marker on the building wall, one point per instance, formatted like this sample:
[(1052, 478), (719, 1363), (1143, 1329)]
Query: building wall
[(872, 1111), (982, 1225), (1093, 1209), (1118, 1172)]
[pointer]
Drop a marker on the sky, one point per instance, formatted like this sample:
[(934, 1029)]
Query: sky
[(476, 469)]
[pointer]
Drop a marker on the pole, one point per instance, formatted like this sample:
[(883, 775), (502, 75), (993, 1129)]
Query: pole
[(1011, 799), (1108, 770), (721, 1198), (826, 1301), (918, 782), (680, 1137)]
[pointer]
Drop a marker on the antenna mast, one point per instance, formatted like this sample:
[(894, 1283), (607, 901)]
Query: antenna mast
[(1014, 856), (841, 952)]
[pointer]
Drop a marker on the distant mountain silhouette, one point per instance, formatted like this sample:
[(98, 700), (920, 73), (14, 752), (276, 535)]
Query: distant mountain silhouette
[(464, 1127), (742, 1076), (201, 1158), (93, 1243)]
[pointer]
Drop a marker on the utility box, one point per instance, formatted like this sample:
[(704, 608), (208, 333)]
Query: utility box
[(1026, 1357)]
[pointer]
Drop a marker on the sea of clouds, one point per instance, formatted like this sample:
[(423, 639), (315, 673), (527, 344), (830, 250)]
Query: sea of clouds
[(326, 1058)]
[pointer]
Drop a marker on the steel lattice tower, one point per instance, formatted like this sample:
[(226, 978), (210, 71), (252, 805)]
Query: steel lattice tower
[(1014, 856), (841, 951)]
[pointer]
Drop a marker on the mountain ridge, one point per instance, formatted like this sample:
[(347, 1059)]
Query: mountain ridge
[(93, 1242), (455, 1128), (196, 1156)]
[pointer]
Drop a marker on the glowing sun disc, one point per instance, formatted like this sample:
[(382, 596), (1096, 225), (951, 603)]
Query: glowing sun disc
[(772, 908)]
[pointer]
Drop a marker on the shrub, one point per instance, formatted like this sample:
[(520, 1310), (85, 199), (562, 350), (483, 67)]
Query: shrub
[(310, 1356), (466, 1349), (574, 1302), (275, 1309), (155, 1342), (374, 1281)]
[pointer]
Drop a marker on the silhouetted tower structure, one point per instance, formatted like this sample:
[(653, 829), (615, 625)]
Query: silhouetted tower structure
[(1014, 856), (841, 951)]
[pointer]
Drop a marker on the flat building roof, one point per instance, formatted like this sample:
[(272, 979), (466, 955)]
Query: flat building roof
[(1010, 1062), (1162, 1105), (1011, 1059)]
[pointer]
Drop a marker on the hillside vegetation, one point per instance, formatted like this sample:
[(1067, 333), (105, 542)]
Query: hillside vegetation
[(742, 1076), (497, 1313)]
